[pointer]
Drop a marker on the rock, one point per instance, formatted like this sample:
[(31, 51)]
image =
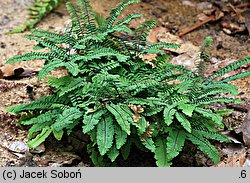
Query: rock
[(186, 60), (227, 31), (204, 5), (19, 147), (214, 60), (188, 3)]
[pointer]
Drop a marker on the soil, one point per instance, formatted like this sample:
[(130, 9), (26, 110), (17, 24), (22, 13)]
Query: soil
[(172, 17)]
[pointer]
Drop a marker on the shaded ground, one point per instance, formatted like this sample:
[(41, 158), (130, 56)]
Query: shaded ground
[(172, 16)]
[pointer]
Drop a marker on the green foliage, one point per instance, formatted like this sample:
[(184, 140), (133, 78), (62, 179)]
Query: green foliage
[(37, 11), (119, 99)]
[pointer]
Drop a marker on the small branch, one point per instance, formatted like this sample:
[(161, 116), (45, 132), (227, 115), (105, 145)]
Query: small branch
[(242, 5), (187, 30)]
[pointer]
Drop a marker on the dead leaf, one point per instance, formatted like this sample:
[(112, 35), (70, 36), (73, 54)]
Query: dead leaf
[(136, 117), (236, 160), (148, 132), (186, 60), (137, 109), (232, 28), (218, 14), (8, 70), (235, 156), (12, 72), (153, 34)]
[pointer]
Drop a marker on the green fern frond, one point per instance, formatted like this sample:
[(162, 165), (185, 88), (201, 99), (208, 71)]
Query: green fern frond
[(152, 110), (185, 85), (175, 142), (217, 119), (168, 114), (177, 99), (43, 103), (102, 52), (45, 117), (72, 68), (87, 17), (210, 100), (141, 34), (228, 88), (212, 135), (128, 18), (209, 92), (113, 153), (53, 37), (115, 12), (76, 99), (59, 82), (161, 154), (154, 48), (184, 121), (120, 137), (46, 43), (122, 118), (105, 134), (187, 109), (40, 138), (67, 117), (90, 120), (106, 73), (75, 16), (29, 56), (204, 145), (203, 57), (231, 67), (55, 63), (236, 76), (149, 144), (143, 30), (141, 125), (57, 134), (105, 66), (73, 85)]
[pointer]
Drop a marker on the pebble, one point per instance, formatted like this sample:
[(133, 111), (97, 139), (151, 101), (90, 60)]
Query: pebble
[(227, 31), (204, 6), (188, 3), (19, 147), (213, 60)]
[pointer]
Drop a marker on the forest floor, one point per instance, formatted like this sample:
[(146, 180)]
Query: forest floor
[(231, 42)]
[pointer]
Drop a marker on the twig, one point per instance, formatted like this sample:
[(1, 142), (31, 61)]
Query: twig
[(242, 5), (236, 11), (187, 30)]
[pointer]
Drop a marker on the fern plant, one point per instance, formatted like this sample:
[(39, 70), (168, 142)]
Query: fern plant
[(37, 11), (116, 97)]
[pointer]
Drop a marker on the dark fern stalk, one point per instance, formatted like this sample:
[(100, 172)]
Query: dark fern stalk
[(117, 98)]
